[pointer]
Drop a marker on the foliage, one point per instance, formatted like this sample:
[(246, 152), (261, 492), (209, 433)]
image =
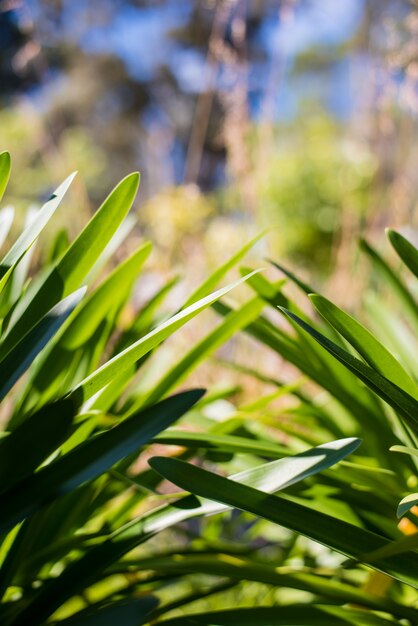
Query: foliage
[(367, 391), (313, 174), (82, 513), (72, 503)]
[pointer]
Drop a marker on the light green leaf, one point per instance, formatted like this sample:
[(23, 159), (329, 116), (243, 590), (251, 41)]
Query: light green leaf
[(224, 443), (145, 318), (77, 261), (234, 322), (125, 359), (405, 450), (210, 283), (406, 504), (110, 294), (35, 227)]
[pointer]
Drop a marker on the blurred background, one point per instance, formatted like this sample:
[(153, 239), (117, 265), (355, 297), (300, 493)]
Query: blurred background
[(295, 115)]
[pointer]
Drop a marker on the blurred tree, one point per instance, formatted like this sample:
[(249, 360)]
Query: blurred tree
[(212, 92)]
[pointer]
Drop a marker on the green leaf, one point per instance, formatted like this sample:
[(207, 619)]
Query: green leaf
[(16, 362), (50, 377), (124, 360), (405, 450), (210, 283), (405, 544), (240, 568), (48, 427), (30, 234), (232, 324), (145, 319), (399, 289), (110, 294), (405, 249), (115, 242), (334, 533), (5, 167), (388, 325), (302, 285), (402, 402), (194, 596), (406, 504), (300, 615), (76, 262), (366, 344), (270, 477), (355, 398), (224, 443), (91, 458), (132, 612), (270, 292)]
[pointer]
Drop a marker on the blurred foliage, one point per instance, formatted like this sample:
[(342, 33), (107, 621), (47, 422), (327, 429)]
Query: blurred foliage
[(306, 182), (238, 114)]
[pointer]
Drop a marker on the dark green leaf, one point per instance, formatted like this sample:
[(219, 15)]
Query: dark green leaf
[(341, 536), (91, 458), (131, 612), (402, 402), (366, 344), (24, 449), (78, 575), (302, 615), (405, 249)]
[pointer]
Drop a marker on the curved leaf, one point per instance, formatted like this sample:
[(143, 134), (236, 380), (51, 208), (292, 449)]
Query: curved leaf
[(366, 344), (406, 504), (401, 401), (338, 535), (407, 252), (270, 477)]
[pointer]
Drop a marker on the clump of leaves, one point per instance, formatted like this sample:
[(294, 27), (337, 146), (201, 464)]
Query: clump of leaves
[(75, 509), (367, 387)]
